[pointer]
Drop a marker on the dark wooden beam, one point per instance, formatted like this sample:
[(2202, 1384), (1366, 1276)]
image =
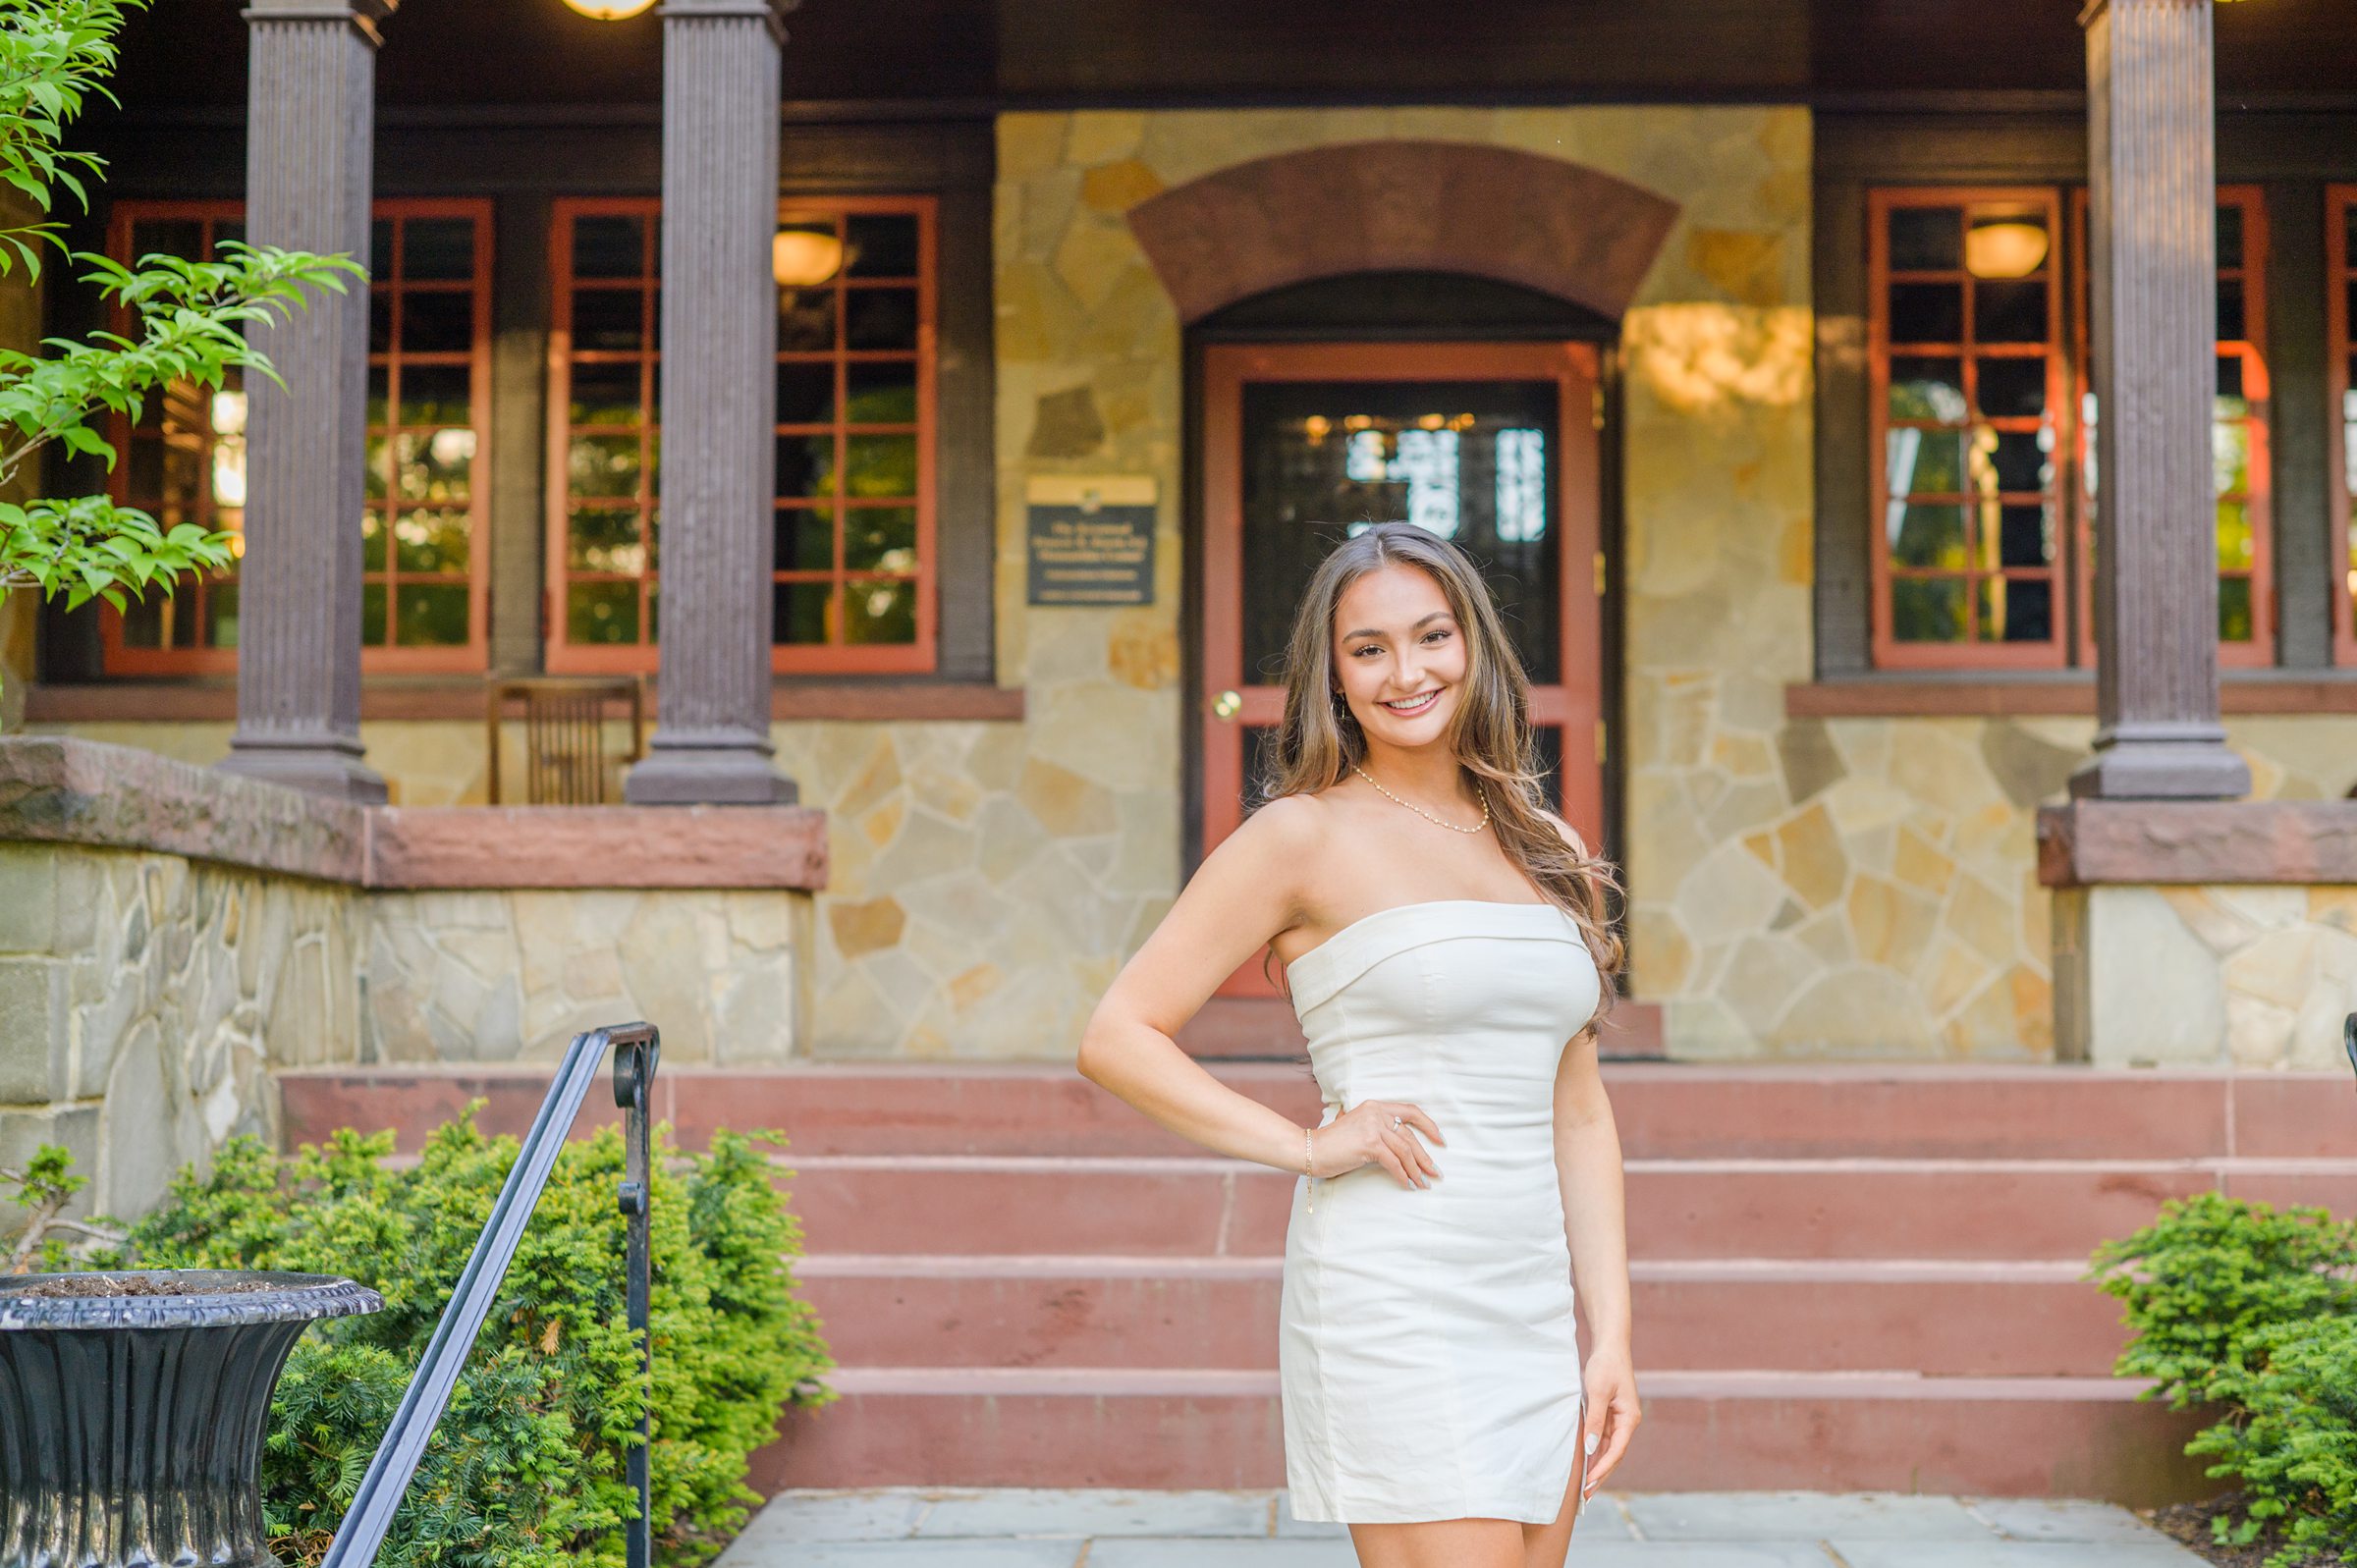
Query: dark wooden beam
[(311, 114), (720, 344), (2152, 241)]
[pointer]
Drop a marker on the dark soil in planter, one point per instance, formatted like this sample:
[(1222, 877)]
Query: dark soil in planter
[(2188, 1524), (75, 1286)]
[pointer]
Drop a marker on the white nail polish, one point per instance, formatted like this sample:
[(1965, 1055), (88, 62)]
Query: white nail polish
[(1591, 1440)]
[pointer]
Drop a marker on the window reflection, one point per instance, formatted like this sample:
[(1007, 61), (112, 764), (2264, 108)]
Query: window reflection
[(1467, 462), (1521, 485)]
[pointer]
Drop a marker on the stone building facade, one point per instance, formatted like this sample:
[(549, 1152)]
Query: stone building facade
[(1813, 872)]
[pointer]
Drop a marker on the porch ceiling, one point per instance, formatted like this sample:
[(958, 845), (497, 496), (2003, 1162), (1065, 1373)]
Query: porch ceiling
[(974, 56)]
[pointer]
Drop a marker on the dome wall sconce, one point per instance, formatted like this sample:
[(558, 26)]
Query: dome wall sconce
[(610, 9), (805, 258), (2004, 247)]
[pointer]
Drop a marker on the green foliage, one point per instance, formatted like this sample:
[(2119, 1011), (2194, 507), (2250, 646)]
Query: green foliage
[(2208, 1273), (189, 326), (2293, 1441), (44, 1186), (526, 1470), (47, 1178), (2236, 1306), (53, 55)]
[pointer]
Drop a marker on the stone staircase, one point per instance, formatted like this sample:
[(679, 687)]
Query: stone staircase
[(1847, 1277)]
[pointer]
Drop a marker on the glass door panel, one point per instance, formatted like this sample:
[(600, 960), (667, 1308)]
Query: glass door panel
[(1471, 462), (1490, 445)]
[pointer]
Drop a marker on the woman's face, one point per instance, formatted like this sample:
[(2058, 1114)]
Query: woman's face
[(1400, 655)]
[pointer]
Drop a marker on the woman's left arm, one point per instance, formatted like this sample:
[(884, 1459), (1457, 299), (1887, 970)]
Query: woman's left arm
[(1587, 1165)]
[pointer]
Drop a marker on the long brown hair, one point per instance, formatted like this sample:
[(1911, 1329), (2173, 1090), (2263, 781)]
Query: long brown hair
[(1320, 739)]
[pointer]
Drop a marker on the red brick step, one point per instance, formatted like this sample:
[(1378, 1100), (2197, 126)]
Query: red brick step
[(1664, 1109), (1194, 1207), (1121, 1427), (2004, 1318)]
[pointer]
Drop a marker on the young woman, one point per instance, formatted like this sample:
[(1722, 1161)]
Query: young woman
[(1447, 948)]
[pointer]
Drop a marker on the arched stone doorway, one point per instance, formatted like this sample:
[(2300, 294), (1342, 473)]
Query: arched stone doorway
[(1423, 327), (1559, 227)]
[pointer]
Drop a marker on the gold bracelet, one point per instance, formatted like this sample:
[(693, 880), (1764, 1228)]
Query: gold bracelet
[(1309, 1157)]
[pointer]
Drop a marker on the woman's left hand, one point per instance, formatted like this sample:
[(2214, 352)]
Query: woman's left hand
[(1613, 1415)]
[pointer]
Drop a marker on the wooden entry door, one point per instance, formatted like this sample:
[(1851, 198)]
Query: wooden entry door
[(1493, 445)]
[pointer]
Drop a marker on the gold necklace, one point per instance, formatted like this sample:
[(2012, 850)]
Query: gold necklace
[(1426, 815)]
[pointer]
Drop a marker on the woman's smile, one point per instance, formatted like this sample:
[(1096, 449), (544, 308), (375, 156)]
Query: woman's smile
[(1409, 707)]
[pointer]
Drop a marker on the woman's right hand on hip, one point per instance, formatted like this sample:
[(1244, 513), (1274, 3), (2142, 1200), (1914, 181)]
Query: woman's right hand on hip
[(1377, 1132)]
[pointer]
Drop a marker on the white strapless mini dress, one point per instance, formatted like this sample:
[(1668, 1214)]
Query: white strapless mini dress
[(1426, 1354)]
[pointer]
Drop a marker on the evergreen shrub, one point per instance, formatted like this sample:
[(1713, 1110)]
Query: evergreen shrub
[(527, 1468), (2253, 1311)]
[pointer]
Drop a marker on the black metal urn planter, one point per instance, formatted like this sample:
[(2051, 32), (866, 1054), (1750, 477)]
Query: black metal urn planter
[(133, 1408)]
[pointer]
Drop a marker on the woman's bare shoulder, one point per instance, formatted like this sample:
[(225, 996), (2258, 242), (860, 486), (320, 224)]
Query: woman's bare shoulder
[(1290, 825)]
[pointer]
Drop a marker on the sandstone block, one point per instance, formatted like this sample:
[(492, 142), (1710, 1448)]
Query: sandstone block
[(27, 898), (864, 926), (32, 1030)]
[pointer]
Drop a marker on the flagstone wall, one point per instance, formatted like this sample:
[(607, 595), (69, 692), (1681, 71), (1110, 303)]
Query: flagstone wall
[(144, 996), (171, 936), (1868, 886)]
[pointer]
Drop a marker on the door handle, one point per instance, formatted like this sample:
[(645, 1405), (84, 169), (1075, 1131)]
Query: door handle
[(1226, 705)]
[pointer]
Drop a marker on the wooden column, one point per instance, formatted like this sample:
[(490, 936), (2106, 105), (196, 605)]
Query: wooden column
[(311, 129), (720, 339), (2152, 230)]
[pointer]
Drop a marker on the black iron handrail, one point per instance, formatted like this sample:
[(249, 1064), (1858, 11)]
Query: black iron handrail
[(637, 1047)]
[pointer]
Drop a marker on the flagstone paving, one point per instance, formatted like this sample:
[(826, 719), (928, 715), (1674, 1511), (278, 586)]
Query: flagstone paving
[(909, 1527)]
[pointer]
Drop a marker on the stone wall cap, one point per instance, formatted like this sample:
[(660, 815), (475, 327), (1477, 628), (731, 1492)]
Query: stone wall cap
[(2216, 843), (597, 846), (57, 790), (60, 790)]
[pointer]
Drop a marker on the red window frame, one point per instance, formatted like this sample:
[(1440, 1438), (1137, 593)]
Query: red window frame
[(2340, 377), (119, 658), (192, 597), (640, 653), (2256, 497), (385, 508), (625, 563), (1979, 509)]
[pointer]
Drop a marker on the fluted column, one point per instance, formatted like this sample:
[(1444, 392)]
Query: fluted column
[(311, 129), (2152, 230), (720, 340)]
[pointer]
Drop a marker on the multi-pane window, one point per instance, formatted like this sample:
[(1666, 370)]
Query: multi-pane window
[(184, 460), (1966, 379), (852, 563), (1984, 471), (854, 517), (602, 463), (2238, 432), (429, 345), (2340, 297)]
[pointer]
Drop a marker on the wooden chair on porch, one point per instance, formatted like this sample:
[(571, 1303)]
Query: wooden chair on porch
[(566, 761)]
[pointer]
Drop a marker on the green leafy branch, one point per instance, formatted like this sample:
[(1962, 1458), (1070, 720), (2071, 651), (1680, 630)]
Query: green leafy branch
[(44, 1187), (53, 55), (191, 320), (191, 317)]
